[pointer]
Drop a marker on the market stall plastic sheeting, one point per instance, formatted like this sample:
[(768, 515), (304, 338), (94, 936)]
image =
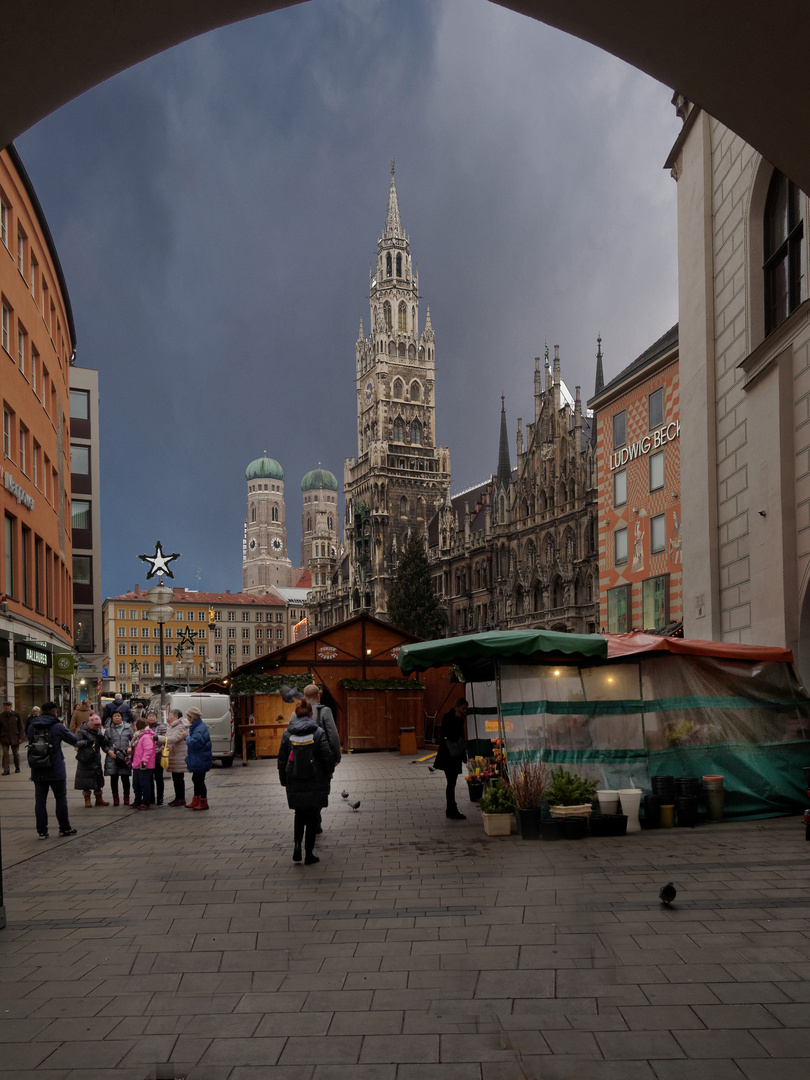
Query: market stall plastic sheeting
[(471, 650), (681, 715)]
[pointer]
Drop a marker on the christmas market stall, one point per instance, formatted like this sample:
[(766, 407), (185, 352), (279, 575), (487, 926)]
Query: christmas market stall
[(355, 664), (645, 706)]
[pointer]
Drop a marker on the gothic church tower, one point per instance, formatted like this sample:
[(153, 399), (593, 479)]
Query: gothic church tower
[(400, 477)]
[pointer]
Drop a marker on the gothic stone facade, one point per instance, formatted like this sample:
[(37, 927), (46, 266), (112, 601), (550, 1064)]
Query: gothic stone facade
[(520, 550)]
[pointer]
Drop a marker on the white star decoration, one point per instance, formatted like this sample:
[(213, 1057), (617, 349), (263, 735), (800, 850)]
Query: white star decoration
[(159, 563)]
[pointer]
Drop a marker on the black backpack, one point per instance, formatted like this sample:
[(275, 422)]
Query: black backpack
[(301, 762), (41, 750)]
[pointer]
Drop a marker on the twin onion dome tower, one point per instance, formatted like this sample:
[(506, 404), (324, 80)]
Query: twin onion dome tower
[(400, 476)]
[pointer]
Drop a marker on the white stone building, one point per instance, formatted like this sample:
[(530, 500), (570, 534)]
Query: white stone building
[(744, 321)]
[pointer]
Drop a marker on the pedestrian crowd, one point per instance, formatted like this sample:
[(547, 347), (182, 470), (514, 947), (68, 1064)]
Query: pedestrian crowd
[(133, 753)]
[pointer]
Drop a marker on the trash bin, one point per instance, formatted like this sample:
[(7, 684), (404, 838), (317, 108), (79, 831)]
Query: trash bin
[(407, 740)]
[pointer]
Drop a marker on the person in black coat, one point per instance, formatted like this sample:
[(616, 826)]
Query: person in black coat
[(453, 737), (55, 778), (305, 765), (92, 740)]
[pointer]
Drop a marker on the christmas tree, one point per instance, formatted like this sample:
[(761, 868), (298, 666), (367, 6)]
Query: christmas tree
[(412, 603)]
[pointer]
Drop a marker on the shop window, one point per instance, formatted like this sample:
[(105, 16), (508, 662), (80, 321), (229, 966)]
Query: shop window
[(655, 602), (619, 609)]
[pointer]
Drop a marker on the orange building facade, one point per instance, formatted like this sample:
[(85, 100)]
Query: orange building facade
[(638, 466), (37, 340)]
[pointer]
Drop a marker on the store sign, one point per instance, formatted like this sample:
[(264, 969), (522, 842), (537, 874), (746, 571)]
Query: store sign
[(63, 664), (654, 441), (327, 652), (30, 654), (22, 496)]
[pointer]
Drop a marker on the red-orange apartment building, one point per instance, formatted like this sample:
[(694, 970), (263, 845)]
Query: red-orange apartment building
[(639, 496), (37, 342)]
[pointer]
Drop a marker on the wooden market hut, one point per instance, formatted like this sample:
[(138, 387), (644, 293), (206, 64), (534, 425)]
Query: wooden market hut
[(355, 662)]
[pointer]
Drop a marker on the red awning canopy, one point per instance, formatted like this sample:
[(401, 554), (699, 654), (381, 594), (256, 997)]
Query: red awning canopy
[(620, 645)]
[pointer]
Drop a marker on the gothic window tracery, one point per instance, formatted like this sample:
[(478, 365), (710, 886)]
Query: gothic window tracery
[(399, 430), (401, 349), (388, 265), (399, 264), (309, 524), (403, 507), (387, 310), (398, 388), (253, 512), (274, 513), (416, 391), (402, 310), (416, 433)]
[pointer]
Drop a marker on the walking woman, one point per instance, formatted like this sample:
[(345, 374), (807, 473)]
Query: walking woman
[(176, 738), (305, 765), (199, 758), (120, 735)]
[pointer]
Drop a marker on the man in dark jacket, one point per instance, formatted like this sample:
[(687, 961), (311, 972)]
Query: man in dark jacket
[(11, 733), (55, 778), (453, 753), (118, 706), (305, 765)]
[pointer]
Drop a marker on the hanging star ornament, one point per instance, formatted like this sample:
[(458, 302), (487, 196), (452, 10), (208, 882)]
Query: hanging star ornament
[(159, 563)]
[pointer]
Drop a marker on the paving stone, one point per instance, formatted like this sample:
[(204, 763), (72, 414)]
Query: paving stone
[(635, 1045), (719, 1043)]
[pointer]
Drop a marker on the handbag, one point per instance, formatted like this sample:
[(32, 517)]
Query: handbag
[(457, 748), (164, 755)]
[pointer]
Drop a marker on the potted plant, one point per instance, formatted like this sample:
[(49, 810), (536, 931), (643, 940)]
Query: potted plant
[(528, 780), (568, 794), (497, 806), (479, 771)]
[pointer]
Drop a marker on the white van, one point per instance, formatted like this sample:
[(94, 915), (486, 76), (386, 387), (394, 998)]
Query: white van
[(217, 716)]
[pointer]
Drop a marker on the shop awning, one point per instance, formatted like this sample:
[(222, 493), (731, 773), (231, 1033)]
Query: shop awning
[(472, 649), (620, 645)]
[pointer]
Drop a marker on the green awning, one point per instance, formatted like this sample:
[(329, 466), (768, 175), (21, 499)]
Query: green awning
[(472, 649)]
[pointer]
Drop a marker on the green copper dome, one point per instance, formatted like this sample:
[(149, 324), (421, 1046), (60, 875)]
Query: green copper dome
[(264, 468), (319, 480)]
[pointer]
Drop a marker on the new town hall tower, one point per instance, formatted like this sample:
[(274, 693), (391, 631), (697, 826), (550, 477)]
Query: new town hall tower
[(400, 477)]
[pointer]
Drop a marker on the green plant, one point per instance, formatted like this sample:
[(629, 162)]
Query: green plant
[(498, 799), (566, 788)]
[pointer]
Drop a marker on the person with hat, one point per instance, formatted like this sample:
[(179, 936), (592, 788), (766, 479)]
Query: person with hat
[(11, 733)]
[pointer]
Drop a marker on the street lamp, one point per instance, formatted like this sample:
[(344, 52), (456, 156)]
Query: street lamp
[(160, 612), (134, 670)]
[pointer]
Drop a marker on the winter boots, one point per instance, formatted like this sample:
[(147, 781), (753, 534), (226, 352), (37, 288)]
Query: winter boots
[(116, 800), (100, 800), (88, 802)]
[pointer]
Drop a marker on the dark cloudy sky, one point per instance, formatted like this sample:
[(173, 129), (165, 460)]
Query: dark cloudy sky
[(216, 210)]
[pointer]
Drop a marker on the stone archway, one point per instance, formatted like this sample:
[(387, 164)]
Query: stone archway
[(49, 61)]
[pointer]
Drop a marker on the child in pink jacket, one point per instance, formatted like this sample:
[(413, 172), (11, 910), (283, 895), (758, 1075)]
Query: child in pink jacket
[(143, 763)]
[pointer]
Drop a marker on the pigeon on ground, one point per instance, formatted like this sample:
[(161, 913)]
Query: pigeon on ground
[(355, 805), (431, 768), (667, 893), (344, 794)]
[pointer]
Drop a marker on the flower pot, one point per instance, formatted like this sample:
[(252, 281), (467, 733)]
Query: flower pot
[(608, 802), (573, 828), (476, 790), (686, 810), (551, 830), (601, 824), (528, 823), (581, 810), (618, 825), (497, 824), (652, 811), (667, 817), (630, 799)]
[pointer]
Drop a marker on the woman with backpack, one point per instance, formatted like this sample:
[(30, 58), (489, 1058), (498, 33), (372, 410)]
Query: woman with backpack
[(305, 765), (89, 776)]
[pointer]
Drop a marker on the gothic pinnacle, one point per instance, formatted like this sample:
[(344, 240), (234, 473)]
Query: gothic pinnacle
[(393, 225), (504, 462)]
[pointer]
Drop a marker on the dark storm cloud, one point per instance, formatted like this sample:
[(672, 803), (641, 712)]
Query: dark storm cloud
[(216, 210)]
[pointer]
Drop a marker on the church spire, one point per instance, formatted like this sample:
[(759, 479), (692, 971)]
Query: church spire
[(600, 378), (393, 226), (504, 462), (428, 323), (600, 384)]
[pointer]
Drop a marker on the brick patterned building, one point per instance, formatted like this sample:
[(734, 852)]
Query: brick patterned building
[(639, 470)]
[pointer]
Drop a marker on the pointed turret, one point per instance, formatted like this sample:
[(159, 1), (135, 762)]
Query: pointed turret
[(599, 385), (428, 323), (504, 462), (393, 226), (600, 376), (361, 334)]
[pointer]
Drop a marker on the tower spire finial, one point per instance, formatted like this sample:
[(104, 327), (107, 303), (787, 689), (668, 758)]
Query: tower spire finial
[(393, 225), (600, 377), (504, 462)]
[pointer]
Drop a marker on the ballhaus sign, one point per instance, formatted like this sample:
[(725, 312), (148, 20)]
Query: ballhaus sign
[(654, 441)]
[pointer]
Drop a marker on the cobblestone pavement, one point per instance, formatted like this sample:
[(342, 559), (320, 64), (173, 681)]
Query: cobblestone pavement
[(172, 944)]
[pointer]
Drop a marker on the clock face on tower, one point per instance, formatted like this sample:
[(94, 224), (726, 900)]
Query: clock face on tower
[(276, 544), (252, 544), (369, 390)]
